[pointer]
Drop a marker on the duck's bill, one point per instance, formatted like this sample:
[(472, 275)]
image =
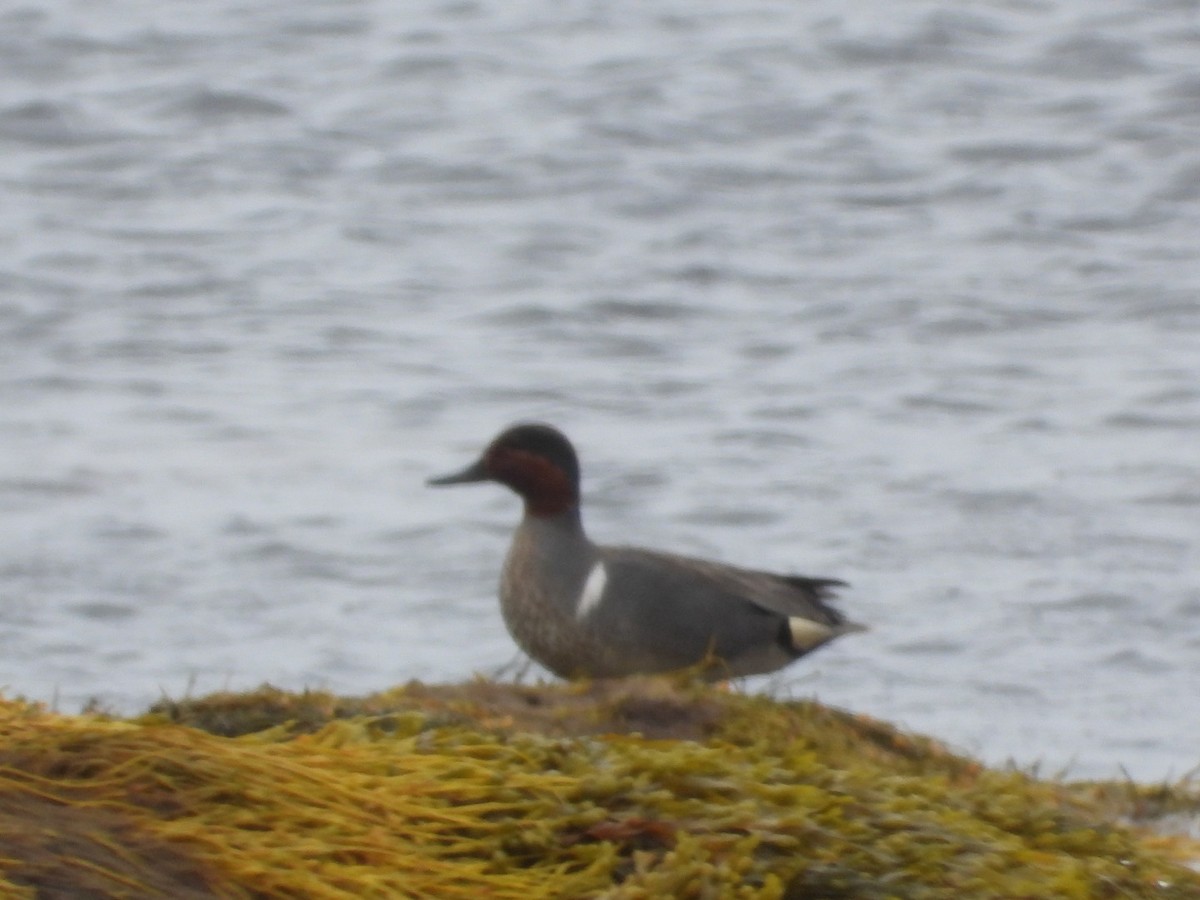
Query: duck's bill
[(477, 471)]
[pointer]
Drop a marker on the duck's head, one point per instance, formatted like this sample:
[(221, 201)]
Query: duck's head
[(535, 460)]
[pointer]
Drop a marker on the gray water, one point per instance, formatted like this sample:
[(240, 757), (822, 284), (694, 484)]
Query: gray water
[(907, 295)]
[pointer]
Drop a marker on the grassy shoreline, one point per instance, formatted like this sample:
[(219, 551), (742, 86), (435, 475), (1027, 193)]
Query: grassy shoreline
[(634, 788)]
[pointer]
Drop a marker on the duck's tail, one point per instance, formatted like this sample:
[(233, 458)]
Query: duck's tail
[(806, 635)]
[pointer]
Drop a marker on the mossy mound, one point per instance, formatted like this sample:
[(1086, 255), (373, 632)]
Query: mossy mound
[(631, 789)]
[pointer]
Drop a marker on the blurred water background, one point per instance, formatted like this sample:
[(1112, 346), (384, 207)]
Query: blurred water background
[(905, 294)]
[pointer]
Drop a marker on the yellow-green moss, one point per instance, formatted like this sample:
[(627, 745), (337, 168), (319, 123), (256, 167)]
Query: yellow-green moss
[(633, 789)]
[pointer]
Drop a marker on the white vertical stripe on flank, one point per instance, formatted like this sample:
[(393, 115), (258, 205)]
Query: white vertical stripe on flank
[(593, 590)]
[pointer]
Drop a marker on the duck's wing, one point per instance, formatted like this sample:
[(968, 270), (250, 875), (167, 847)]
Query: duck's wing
[(790, 596), (683, 609)]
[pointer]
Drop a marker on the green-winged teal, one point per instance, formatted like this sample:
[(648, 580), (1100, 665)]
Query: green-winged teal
[(586, 610)]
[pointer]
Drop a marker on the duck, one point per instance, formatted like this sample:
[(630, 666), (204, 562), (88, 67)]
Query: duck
[(587, 610)]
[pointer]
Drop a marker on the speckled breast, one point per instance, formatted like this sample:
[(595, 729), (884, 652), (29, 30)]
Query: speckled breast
[(539, 616)]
